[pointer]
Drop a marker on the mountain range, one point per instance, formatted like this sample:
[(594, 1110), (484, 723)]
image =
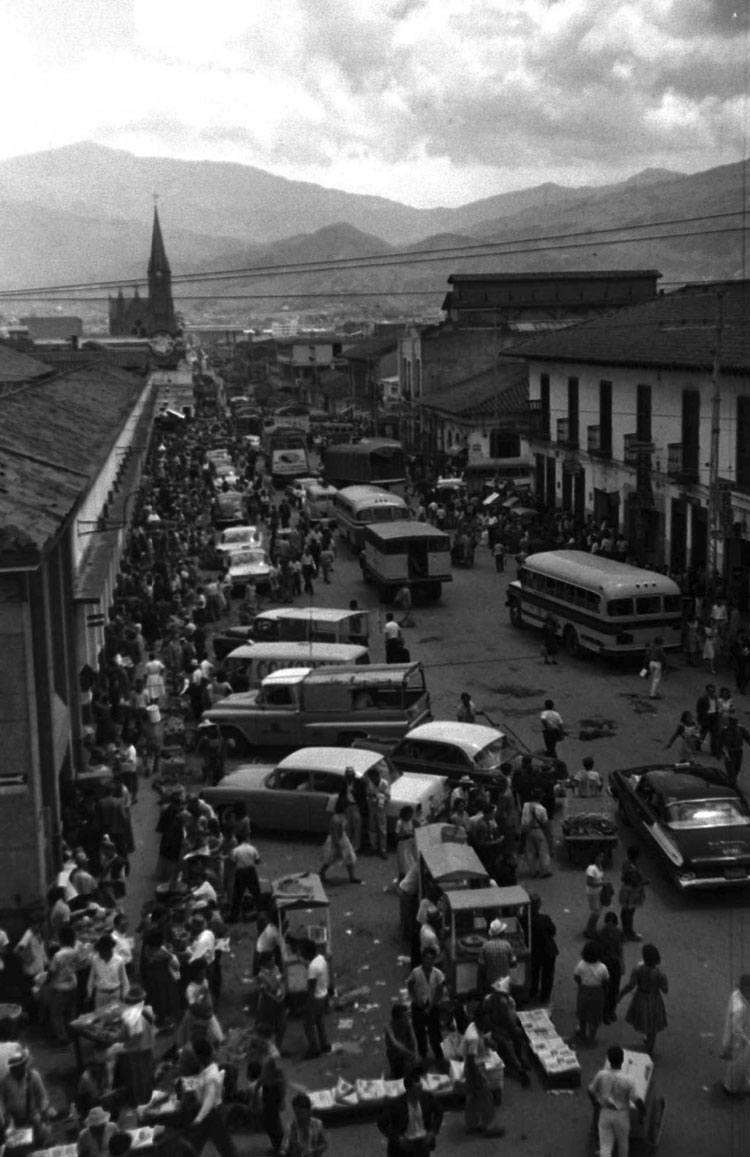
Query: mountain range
[(82, 213)]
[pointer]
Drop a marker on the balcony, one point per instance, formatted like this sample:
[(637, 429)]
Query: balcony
[(682, 462), (533, 420), (635, 449), (597, 443), (567, 433)]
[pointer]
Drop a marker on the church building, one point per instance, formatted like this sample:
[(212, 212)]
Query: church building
[(144, 317)]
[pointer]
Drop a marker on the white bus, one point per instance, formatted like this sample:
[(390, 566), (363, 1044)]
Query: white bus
[(606, 607), (356, 507), (412, 554)]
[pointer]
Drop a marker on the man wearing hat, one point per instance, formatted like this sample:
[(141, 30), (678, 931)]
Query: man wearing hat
[(496, 957), (94, 1138), (23, 1097), (505, 1029), (462, 790)]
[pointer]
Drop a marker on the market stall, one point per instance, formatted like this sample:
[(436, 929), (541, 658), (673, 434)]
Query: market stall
[(589, 826), (302, 911), (102, 1027), (556, 1059), (446, 860), (469, 913)]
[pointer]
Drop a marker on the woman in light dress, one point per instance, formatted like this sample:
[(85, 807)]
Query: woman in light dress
[(735, 1042)]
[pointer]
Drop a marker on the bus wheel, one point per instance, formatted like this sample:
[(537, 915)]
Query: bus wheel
[(516, 618), (570, 639)]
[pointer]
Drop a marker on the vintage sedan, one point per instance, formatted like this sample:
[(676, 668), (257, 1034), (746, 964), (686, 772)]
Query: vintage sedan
[(299, 793), (236, 538), (692, 816), (450, 749), (245, 565)]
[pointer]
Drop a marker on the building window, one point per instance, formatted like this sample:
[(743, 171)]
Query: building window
[(504, 445), (743, 442), (605, 418), (643, 414), (573, 412)]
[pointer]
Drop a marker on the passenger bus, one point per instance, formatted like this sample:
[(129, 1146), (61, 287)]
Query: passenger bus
[(606, 607), (356, 507), (285, 449), (411, 554), (376, 461)]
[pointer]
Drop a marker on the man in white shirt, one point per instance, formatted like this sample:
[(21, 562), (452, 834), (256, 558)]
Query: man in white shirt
[(123, 943), (594, 883), (318, 982), (612, 1094), (552, 728), (393, 637), (246, 858), (209, 1124), (426, 985)]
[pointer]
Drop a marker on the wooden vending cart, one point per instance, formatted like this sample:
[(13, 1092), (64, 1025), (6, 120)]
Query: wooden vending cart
[(469, 913), (445, 861), (303, 912)]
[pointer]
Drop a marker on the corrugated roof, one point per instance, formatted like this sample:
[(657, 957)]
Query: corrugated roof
[(18, 367), (674, 330), (558, 275), (498, 390), (54, 438)]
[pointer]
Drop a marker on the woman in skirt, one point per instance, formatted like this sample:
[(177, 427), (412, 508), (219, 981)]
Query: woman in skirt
[(338, 847), (647, 1012)]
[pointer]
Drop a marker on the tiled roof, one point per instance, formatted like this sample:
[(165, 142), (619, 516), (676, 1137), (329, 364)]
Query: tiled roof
[(54, 438), (501, 389), (18, 367), (372, 348), (676, 330)]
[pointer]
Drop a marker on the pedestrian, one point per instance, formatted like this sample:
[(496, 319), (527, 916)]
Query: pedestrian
[(536, 830), (655, 664), (741, 657), (496, 957), (550, 627), (378, 790), (689, 734), (400, 1042), (691, 644), (154, 671), (709, 647), (209, 1123), (271, 996), (632, 892), (265, 1070), (707, 714), (62, 984), (506, 1033), (326, 564), (647, 1013), (406, 848), (735, 1040), (412, 1121), (393, 639), (553, 728), (544, 951), (108, 982), (498, 553), (612, 1094), (594, 885), (307, 562), (316, 1006), (591, 976), (353, 797), (426, 987), (98, 1130), (467, 710), (403, 600), (732, 737), (609, 940), (246, 858), (338, 848), (479, 1107), (305, 1135)]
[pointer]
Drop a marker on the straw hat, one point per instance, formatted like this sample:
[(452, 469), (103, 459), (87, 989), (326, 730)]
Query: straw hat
[(97, 1116), (497, 928)]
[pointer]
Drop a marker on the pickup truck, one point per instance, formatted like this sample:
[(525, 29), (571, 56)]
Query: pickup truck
[(325, 706)]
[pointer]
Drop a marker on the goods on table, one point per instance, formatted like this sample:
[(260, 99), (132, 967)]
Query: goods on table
[(557, 1059), (369, 1091), (322, 1099), (144, 1137), (57, 1151), (103, 1026), (589, 825)]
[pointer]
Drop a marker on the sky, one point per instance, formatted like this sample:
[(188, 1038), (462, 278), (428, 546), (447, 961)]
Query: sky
[(428, 102)]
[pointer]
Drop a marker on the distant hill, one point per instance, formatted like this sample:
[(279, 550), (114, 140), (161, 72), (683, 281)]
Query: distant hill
[(83, 213)]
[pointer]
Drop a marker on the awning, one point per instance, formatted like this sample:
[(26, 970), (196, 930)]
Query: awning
[(523, 511), (488, 501), (510, 502)]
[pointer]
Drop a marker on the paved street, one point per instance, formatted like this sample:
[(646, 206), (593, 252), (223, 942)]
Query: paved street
[(466, 642)]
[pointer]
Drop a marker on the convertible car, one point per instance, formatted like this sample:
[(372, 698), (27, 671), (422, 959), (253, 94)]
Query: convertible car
[(697, 822)]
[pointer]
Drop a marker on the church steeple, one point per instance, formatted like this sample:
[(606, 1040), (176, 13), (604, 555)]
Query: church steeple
[(161, 306)]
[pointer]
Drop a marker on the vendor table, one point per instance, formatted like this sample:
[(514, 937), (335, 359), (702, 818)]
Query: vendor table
[(589, 827), (558, 1062)]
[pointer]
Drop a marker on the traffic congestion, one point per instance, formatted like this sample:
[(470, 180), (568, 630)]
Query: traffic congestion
[(359, 859)]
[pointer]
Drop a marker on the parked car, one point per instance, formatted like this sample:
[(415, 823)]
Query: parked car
[(244, 565), (228, 639), (228, 508), (298, 794), (694, 819), (451, 749), (247, 666), (329, 705), (235, 537)]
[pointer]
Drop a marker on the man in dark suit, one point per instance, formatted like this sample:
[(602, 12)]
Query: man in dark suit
[(412, 1121), (707, 714)]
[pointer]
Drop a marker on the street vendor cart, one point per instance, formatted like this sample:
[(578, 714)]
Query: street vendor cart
[(302, 911), (589, 826), (446, 861), (469, 913)]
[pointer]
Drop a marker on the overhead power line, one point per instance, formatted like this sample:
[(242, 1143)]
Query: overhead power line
[(511, 247)]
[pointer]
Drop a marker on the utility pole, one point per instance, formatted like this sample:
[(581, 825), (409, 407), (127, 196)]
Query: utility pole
[(714, 496)]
